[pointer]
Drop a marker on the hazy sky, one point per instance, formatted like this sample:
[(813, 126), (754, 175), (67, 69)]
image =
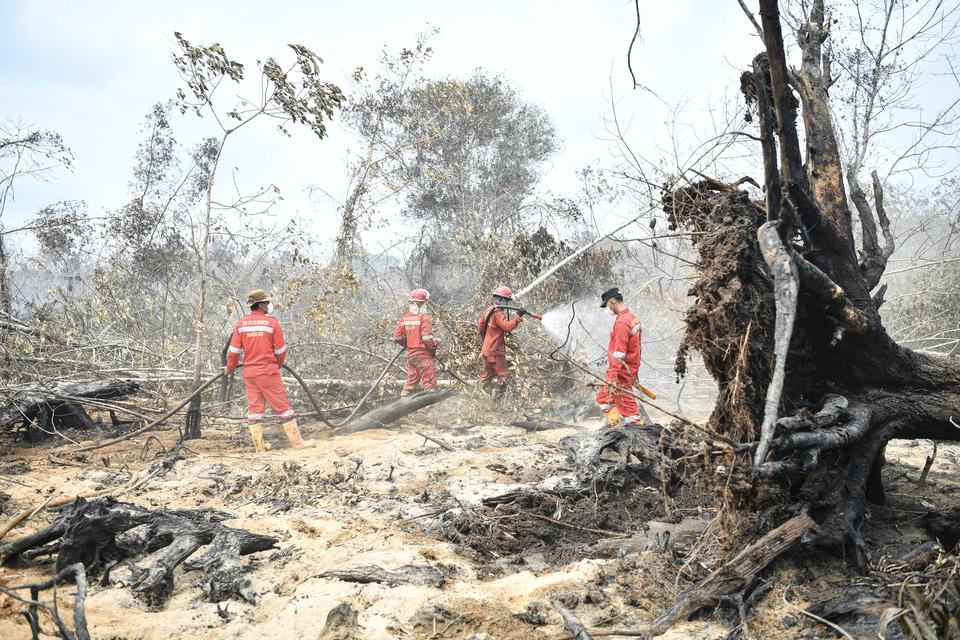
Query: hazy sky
[(91, 70)]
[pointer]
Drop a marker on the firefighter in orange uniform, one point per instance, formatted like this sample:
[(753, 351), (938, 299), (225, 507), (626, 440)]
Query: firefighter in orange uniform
[(493, 326), (623, 358), (259, 338), (415, 332)]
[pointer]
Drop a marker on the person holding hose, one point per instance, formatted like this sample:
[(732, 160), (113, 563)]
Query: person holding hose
[(259, 337), (415, 332), (493, 326), (623, 358)]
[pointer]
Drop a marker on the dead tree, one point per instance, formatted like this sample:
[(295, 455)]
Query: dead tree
[(787, 314)]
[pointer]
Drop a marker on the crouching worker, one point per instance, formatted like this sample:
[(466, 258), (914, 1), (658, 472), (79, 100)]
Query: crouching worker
[(493, 326), (415, 332), (259, 338), (623, 357)]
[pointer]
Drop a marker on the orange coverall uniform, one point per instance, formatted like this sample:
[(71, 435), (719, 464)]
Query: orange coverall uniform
[(259, 338), (494, 352), (624, 347), (415, 332)]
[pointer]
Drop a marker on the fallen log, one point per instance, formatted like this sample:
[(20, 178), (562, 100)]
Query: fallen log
[(382, 416), (533, 423), (101, 534), (58, 407), (424, 575), (733, 577), (576, 629), (155, 423)]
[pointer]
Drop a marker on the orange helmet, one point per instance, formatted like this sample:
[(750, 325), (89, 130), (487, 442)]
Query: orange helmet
[(419, 295), (503, 291)]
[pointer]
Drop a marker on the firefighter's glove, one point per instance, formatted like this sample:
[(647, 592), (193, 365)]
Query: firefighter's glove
[(431, 347), (522, 312)]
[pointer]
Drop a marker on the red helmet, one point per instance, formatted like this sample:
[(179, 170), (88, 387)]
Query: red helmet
[(503, 292), (419, 295)]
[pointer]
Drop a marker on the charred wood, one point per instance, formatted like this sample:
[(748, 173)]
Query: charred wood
[(102, 533), (50, 410), (382, 416), (407, 574)]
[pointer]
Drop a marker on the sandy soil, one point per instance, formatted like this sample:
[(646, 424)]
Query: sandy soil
[(389, 498)]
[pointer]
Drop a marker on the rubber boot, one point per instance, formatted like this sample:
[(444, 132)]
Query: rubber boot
[(256, 433), (405, 392), (292, 430), (612, 416)]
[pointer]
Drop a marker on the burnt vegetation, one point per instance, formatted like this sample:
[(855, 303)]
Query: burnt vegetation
[(817, 307)]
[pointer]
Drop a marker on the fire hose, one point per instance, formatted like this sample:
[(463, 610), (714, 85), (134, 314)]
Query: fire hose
[(486, 319), (363, 400), (713, 436)]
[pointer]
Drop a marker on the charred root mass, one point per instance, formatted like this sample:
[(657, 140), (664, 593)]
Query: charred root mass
[(848, 388), (58, 407), (108, 538), (615, 457), (787, 317)]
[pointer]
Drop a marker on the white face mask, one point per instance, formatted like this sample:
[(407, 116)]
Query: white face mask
[(269, 307), (414, 307)]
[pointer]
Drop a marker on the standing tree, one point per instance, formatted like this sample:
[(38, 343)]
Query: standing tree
[(294, 94), (375, 113), (787, 314), (25, 151), (473, 176)]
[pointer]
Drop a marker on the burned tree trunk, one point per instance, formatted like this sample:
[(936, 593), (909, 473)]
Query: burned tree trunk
[(59, 407), (382, 416), (843, 384)]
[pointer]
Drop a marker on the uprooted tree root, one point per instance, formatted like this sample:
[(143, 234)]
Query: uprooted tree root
[(730, 324)]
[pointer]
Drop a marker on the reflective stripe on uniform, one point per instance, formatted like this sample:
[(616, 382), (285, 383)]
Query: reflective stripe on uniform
[(254, 416), (233, 349), (635, 329), (287, 414), (280, 350), (429, 337), (252, 328), (619, 354), (410, 323)]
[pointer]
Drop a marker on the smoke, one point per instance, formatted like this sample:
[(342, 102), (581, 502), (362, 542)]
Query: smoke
[(582, 329)]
